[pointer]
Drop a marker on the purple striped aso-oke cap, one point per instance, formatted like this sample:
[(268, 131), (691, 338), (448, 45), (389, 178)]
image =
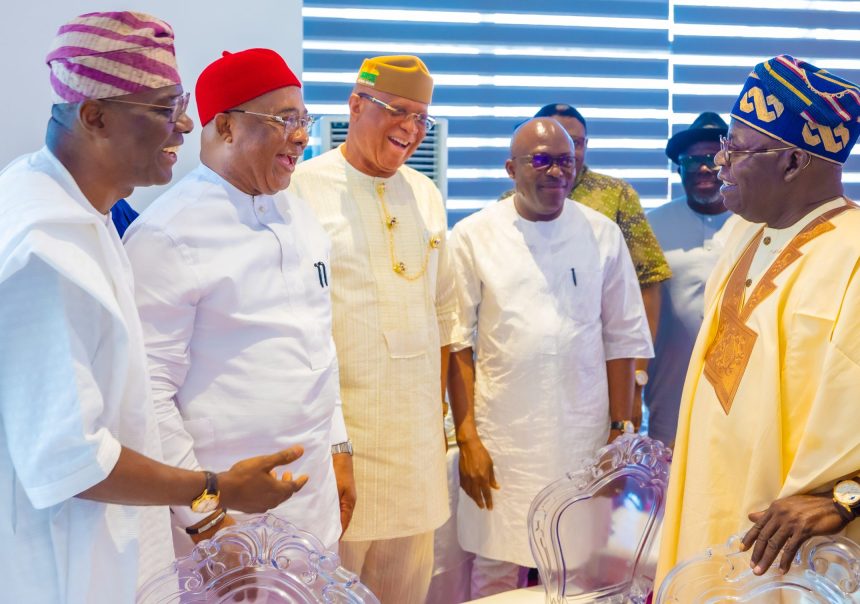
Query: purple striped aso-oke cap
[(102, 55)]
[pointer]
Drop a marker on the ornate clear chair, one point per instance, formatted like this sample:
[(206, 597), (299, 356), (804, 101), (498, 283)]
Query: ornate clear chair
[(265, 559), (592, 531), (826, 570)]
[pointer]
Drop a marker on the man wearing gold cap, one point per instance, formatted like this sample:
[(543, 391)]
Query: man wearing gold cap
[(79, 443), (231, 283), (393, 313), (767, 430)]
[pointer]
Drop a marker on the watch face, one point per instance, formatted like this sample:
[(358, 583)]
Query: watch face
[(847, 493), (641, 377), (205, 503)]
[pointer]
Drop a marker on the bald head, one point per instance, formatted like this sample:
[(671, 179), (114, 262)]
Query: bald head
[(534, 131), (543, 167)]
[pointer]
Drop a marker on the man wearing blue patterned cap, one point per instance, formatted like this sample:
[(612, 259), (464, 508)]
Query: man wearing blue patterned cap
[(767, 444)]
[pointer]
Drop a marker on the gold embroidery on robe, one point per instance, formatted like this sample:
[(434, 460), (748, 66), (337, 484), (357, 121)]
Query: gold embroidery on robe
[(729, 353)]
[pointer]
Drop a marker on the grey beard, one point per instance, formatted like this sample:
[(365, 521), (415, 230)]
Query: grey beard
[(706, 201)]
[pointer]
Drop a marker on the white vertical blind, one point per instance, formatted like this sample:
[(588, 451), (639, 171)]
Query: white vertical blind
[(637, 70)]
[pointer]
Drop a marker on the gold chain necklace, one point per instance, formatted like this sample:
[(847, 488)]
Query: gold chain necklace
[(390, 222)]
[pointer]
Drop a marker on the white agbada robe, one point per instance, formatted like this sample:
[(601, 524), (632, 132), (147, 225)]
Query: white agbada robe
[(544, 305), (73, 390), (233, 294)]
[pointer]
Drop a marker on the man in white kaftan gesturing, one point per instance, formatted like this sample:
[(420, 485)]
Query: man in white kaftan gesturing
[(550, 322), (232, 283), (79, 443)]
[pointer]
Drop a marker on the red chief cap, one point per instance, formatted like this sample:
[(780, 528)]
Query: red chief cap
[(237, 78)]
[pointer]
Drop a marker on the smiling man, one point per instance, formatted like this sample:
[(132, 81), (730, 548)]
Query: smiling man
[(767, 431), (230, 280), (393, 313), (689, 231), (550, 322), (79, 441)]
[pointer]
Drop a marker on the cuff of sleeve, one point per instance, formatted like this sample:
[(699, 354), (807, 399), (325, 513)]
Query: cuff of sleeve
[(644, 351), (76, 482), (186, 517), (447, 324), (338, 427)]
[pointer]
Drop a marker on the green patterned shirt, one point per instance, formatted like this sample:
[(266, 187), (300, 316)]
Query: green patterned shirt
[(618, 201)]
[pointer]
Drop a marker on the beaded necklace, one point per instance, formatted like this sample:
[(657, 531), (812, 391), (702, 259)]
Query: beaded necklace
[(390, 223)]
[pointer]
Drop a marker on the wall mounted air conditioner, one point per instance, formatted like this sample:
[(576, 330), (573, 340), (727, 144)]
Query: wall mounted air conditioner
[(430, 158)]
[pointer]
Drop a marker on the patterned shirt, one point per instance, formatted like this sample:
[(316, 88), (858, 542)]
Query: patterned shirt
[(618, 201)]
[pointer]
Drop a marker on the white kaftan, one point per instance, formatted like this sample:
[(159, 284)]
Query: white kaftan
[(233, 293), (544, 305), (73, 390)]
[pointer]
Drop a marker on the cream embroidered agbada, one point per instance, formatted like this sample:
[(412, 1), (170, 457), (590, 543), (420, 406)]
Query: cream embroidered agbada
[(791, 425)]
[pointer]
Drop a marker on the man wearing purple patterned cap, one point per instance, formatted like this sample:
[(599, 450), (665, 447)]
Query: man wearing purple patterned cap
[(767, 444), (79, 445)]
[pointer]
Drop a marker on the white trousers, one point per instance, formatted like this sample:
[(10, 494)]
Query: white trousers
[(490, 577), (398, 571)]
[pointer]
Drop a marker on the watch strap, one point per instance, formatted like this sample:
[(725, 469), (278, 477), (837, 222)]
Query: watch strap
[(218, 517)]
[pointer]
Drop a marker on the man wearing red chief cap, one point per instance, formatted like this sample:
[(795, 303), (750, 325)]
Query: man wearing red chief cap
[(232, 284), (393, 315), (83, 516)]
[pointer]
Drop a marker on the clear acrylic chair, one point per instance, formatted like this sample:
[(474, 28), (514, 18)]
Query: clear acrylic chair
[(826, 570), (265, 559), (591, 532)]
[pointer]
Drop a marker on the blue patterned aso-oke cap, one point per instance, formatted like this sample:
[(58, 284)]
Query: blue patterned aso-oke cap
[(800, 104)]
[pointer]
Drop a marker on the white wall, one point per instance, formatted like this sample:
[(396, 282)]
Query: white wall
[(203, 30)]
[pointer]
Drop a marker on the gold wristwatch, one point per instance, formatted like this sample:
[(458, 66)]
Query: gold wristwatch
[(210, 498), (624, 425), (641, 377), (846, 494)]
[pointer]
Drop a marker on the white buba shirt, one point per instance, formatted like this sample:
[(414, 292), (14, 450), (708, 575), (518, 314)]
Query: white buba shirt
[(544, 305), (73, 390), (233, 294), (388, 332)]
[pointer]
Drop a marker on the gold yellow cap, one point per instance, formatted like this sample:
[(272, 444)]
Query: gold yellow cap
[(402, 75)]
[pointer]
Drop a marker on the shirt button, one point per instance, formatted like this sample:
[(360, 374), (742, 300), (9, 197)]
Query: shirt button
[(748, 282), (766, 241)]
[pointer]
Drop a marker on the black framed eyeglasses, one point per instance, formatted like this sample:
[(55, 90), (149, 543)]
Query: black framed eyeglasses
[(290, 123), (693, 163), (422, 120), (728, 153), (177, 108), (544, 161)]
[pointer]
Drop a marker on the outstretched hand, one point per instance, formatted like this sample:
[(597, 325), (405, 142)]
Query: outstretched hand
[(251, 485)]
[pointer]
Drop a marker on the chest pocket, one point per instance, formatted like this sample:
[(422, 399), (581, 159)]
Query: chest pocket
[(581, 294)]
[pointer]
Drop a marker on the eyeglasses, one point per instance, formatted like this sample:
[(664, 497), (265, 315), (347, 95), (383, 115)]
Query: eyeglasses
[(727, 153), (290, 124), (544, 161), (177, 108), (422, 120), (692, 163)]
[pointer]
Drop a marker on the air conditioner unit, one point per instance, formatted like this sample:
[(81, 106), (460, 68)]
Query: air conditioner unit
[(430, 158)]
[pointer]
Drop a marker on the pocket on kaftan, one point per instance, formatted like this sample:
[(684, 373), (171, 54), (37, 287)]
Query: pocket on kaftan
[(406, 344), (582, 295)]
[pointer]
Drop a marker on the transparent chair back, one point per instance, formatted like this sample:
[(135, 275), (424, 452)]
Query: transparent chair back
[(263, 560), (826, 570), (592, 531)]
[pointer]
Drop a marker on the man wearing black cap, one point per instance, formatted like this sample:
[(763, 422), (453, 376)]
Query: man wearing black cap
[(767, 429), (688, 231)]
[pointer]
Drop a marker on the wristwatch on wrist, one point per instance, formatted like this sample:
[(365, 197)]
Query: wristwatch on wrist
[(210, 498), (846, 494), (344, 447), (624, 425), (641, 377)]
